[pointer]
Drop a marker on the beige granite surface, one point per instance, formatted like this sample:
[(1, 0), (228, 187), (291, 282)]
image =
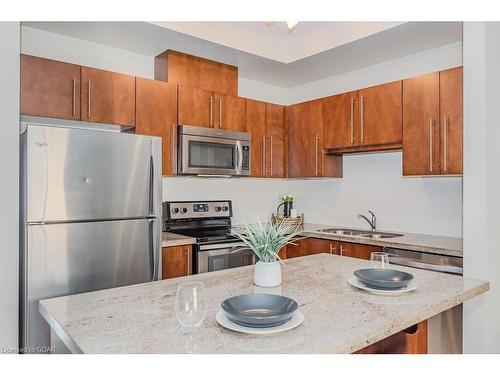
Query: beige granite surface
[(338, 317), (410, 241), (173, 239)]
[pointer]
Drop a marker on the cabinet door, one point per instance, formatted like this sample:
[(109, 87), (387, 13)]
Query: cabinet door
[(196, 107), (312, 246), (275, 132), (341, 120), (107, 97), (451, 104), (176, 261), (230, 112), (156, 114), (50, 88), (255, 119), (294, 249), (305, 130), (356, 250), (380, 114), (420, 132)]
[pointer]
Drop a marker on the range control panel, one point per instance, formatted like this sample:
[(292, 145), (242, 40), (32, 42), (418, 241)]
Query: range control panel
[(196, 210)]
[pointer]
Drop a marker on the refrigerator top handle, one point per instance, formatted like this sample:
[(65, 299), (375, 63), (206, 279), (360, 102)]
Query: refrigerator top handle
[(81, 175)]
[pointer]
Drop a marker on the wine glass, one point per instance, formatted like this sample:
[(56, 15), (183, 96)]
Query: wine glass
[(191, 304), (379, 259)]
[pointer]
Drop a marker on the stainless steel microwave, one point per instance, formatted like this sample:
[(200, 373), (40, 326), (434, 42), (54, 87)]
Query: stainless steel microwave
[(213, 152)]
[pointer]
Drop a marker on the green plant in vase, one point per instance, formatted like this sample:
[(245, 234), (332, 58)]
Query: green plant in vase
[(266, 240)]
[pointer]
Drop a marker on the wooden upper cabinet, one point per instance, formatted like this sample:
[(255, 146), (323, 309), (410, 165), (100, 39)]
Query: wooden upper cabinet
[(156, 114), (196, 107), (177, 261), (107, 97), (451, 121), (255, 119), (229, 112), (306, 157), (50, 88), (304, 135), (380, 115), (421, 125), (340, 120), (275, 145), (187, 70)]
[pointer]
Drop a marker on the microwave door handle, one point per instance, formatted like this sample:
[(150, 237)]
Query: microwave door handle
[(239, 158)]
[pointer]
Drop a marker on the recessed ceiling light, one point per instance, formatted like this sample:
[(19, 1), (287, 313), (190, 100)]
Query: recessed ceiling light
[(291, 25)]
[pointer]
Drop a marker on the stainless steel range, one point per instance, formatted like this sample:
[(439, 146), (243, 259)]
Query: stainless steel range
[(210, 223)]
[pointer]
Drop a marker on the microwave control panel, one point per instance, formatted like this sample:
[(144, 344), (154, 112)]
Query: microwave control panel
[(246, 158)]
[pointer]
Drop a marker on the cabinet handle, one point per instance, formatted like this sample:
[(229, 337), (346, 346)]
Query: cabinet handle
[(220, 112), (430, 145), (352, 120), (89, 96), (362, 119), (271, 156), (331, 249), (263, 155), (317, 150), (74, 97), (445, 156), (341, 250), (174, 138), (186, 253), (211, 111)]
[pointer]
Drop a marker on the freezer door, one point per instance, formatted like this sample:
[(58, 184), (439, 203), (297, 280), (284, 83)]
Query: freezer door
[(78, 174), (70, 258)]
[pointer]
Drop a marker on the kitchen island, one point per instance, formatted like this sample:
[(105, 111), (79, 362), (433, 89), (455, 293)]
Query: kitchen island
[(338, 318)]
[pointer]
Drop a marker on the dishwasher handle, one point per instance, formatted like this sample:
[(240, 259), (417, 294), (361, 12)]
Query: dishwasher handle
[(394, 259)]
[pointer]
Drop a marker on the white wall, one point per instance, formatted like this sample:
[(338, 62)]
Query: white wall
[(9, 196), (373, 182), (448, 56), (482, 183), (431, 205)]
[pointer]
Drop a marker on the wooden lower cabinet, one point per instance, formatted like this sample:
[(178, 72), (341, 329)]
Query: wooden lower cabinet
[(311, 246), (177, 261), (357, 250), (412, 340)]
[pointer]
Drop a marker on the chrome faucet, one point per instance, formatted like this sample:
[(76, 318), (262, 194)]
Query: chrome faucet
[(372, 222)]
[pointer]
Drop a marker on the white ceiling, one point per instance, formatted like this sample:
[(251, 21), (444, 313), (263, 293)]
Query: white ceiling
[(315, 50)]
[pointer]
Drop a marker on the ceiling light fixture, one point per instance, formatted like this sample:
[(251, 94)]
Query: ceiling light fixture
[(291, 25)]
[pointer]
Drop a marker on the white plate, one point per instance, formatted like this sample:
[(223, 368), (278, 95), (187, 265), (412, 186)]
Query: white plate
[(353, 280), (224, 321)]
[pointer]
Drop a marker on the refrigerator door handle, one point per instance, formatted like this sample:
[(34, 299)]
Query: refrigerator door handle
[(154, 249), (151, 185)]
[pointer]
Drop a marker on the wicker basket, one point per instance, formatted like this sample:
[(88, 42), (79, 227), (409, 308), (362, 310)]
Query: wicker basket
[(297, 222)]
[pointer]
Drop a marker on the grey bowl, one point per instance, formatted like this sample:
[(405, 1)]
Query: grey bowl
[(259, 310), (383, 278)]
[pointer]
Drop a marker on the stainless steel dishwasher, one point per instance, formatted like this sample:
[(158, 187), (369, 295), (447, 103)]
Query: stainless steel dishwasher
[(445, 329)]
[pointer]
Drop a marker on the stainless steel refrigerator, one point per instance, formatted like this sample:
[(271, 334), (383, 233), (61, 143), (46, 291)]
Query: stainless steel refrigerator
[(90, 211)]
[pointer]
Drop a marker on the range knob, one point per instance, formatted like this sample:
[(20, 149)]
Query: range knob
[(184, 210), (218, 209), (175, 210), (225, 208)]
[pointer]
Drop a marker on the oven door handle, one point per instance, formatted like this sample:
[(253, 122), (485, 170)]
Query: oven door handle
[(238, 249), (425, 266), (220, 246), (239, 158)]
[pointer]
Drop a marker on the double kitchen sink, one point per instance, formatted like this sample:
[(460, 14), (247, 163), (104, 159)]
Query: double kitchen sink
[(360, 233)]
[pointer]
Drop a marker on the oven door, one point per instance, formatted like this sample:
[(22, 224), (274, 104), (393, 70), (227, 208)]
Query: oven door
[(203, 155), (216, 257)]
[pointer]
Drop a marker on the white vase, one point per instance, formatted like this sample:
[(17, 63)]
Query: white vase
[(267, 274)]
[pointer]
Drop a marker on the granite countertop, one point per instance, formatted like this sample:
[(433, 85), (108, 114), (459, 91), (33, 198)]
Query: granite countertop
[(410, 241), (338, 317), (172, 239)]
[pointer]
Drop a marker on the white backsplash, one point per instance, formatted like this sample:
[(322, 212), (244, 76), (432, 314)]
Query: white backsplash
[(431, 205)]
